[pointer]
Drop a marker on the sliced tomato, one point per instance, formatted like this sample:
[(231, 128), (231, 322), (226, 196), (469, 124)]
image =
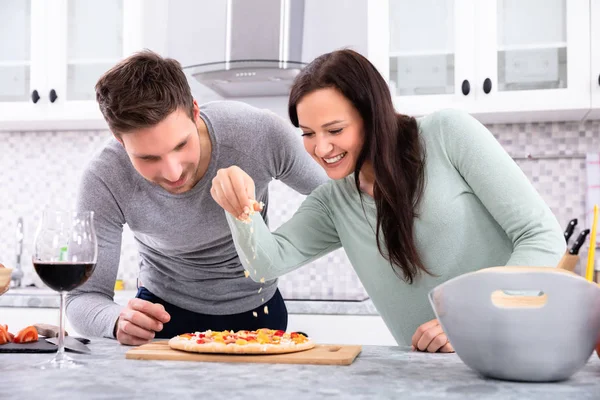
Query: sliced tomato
[(4, 337), (279, 333), (26, 335)]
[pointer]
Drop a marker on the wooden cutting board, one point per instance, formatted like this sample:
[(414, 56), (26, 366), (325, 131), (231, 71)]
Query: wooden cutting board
[(319, 355)]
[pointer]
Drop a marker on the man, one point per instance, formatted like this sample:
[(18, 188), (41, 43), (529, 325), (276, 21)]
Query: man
[(156, 177)]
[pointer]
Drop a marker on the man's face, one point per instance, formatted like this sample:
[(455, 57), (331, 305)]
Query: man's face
[(167, 154)]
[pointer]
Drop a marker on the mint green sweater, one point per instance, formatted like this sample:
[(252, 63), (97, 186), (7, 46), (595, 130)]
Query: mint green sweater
[(478, 210)]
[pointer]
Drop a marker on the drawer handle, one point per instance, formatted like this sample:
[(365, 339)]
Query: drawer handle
[(35, 96), (53, 96), (487, 85), (466, 87)]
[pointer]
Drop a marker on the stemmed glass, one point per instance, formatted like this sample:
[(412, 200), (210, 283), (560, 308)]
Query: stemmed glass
[(64, 257)]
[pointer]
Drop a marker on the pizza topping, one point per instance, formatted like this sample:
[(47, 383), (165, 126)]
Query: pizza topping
[(243, 338), (248, 212), (4, 338)]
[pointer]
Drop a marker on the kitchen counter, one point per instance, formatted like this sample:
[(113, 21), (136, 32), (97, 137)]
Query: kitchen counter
[(45, 298), (378, 373)]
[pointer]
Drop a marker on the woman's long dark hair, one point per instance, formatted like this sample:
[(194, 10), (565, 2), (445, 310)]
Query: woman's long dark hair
[(391, 145)]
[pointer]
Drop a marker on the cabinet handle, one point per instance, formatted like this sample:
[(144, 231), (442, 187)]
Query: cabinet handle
[(487, 85), (35, 96), (53, 96), (598, 80), (466, 87)]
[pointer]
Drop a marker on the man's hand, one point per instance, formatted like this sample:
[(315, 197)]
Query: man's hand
[(139, 321), (431, 338), (233, 189)]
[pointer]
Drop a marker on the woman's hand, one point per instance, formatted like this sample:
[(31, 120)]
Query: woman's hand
[(430, 337), (233, 189)]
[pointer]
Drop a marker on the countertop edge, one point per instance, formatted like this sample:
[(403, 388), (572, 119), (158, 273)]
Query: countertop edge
[(41, 298)]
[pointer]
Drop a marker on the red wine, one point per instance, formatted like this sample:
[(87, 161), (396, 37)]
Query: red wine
[(64, 276)]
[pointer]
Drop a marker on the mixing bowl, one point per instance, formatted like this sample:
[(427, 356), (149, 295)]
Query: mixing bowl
[(541, 338)]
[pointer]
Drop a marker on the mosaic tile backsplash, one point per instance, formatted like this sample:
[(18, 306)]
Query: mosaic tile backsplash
[(41, 169)]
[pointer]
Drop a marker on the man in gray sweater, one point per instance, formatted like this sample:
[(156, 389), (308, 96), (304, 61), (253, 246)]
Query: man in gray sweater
[(155, 176)]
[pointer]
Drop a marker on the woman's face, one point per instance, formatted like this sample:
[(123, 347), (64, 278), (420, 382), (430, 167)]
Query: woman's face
[(332, 131)]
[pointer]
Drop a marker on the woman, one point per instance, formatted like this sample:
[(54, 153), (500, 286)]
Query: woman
[(414, 203)]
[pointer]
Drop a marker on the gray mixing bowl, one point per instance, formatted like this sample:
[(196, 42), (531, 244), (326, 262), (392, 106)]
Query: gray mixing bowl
[(520, 338)]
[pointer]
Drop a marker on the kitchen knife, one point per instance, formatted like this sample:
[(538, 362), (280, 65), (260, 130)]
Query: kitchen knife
[(71, 344), (50, 331), (570, 229), (579, 242)]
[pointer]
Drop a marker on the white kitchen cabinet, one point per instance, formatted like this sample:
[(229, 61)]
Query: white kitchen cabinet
[(62, 48), (595, 46), (22, 57), (536, 55), (501, 60), (425, 50)]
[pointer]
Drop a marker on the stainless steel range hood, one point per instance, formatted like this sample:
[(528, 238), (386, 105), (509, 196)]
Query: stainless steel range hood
[(263, 50)]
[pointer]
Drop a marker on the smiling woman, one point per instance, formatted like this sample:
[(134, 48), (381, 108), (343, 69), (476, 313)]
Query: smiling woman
[(333, 131), (409, 201)]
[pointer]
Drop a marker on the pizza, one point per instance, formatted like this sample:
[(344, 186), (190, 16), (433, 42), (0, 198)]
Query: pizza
[(261, 341)]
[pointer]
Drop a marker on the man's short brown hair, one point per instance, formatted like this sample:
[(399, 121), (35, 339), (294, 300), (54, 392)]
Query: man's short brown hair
[(141, 91)]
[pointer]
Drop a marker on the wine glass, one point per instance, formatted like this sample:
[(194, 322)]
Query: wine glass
[(64, 257)]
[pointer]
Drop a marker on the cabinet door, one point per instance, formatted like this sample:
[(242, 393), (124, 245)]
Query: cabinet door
[(425, 50), (72, 43), (595, 28), (87, 39), (22, 58), (533, 58), (86, 42)]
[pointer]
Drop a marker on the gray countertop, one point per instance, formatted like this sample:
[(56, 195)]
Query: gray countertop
[(378, 373), (45, 298)]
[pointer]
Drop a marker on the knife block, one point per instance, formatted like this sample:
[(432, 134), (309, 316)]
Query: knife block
[(568, 262)]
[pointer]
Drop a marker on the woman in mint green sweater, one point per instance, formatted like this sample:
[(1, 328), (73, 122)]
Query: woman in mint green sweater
[(414, 202)]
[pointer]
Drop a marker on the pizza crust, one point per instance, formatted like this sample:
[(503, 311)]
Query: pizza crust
[(183, 344)]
